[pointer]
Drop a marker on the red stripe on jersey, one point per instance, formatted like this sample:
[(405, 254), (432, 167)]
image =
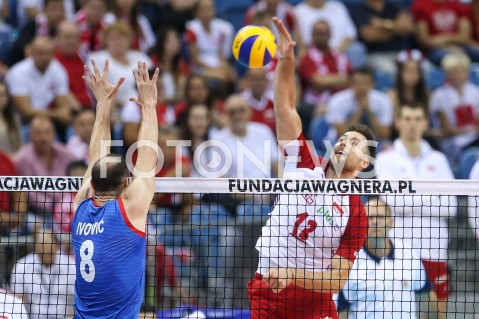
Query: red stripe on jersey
[(338, 208), (127, 220)]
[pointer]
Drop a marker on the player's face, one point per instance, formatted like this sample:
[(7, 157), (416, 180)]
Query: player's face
[(350, 152), (411, 123), (379, 220)]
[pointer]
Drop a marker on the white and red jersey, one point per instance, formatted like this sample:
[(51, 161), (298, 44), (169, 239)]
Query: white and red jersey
[(306, 231), (213, 43), (284, 12), (262, 111), (11, 306)]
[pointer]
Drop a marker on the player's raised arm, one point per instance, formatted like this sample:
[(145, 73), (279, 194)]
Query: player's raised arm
[(288, 123), (139, 193), (105, 95)]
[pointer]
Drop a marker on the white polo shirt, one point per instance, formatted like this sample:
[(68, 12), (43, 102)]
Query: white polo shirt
[(377, 287), (24, 79), (47, 291), (473, 203), (333, 12), (419, 219), (11, 306)]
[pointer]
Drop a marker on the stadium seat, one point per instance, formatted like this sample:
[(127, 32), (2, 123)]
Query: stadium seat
[(434, 78), (318, 132), (466, 161)]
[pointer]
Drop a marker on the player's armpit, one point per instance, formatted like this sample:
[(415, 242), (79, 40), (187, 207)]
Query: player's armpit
[(137, 198), (330, 281)]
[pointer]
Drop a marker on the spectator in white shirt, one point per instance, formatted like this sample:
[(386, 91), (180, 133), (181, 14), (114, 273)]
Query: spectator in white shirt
[(456, 105), (45, 279), (39, 86), (386, 274), (123, 59), (420, 220), (254, 154), (343, 30), (361, 104), (79, 142), (209, 41)]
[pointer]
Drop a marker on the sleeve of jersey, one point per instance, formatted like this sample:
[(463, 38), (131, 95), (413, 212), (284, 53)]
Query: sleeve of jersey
[(299, 152), (356, 231)]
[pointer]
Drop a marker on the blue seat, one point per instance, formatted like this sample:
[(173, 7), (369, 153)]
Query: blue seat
[(318, 132), (467, 161), (434, 78)]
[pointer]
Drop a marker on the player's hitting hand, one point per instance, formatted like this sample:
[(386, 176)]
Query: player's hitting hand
[(278, 278), (98, 83), (285, 42), (147, 90)]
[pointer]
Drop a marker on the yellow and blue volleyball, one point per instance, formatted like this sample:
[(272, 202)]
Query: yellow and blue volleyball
[(254, 46)]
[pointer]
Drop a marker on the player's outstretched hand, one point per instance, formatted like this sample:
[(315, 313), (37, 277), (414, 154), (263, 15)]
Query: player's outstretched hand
[(98, 83), (147, 90), (285, 42), (278, 278)]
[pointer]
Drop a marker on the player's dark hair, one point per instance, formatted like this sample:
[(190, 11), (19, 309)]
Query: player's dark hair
[(112, 181), (76, 165), (367, 133)]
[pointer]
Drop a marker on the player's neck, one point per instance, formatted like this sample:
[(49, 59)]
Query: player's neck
[(102, 199), (413, 146), (345, 174)]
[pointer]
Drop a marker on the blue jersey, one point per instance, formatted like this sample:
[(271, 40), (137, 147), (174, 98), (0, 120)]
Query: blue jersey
[(110, 257)]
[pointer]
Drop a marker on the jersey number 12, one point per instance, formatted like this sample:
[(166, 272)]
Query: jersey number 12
[(303, 235)]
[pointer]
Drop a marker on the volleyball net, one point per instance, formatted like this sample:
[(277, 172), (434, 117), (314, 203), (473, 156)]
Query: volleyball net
[(202, 244)]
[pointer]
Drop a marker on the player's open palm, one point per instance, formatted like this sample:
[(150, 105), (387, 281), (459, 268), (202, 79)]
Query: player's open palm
[(98, 83), (147, 90), (285, 42)]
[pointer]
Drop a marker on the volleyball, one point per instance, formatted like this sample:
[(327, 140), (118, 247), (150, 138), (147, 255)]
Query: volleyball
[(254, 46)]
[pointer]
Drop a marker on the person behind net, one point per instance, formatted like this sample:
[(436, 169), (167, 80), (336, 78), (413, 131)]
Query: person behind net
[(108, 227), (310, 242), (393, 270)]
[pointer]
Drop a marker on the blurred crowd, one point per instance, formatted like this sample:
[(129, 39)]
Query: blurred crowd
[(357, 61)]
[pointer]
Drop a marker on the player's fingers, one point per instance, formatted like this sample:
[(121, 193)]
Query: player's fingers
[(136, 75), (95, 68), (117, 86), (134, 99), (88, 71), (106, 68), (87, 80), (155, 76), (146, 77)]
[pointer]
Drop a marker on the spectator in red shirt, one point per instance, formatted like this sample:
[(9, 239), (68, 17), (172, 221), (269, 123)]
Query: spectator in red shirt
[(67, 48), (91, 24), (443, 27), (259, 98), (323, 71), (13, 205)]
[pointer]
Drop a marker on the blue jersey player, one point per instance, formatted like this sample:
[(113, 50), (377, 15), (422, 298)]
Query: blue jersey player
[(108, 228)]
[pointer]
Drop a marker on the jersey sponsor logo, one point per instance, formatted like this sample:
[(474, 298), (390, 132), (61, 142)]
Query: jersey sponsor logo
[(328, 217), (310, 199), (90, 228)]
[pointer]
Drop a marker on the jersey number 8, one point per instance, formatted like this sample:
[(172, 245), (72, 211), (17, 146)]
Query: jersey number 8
[(86, 253)]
